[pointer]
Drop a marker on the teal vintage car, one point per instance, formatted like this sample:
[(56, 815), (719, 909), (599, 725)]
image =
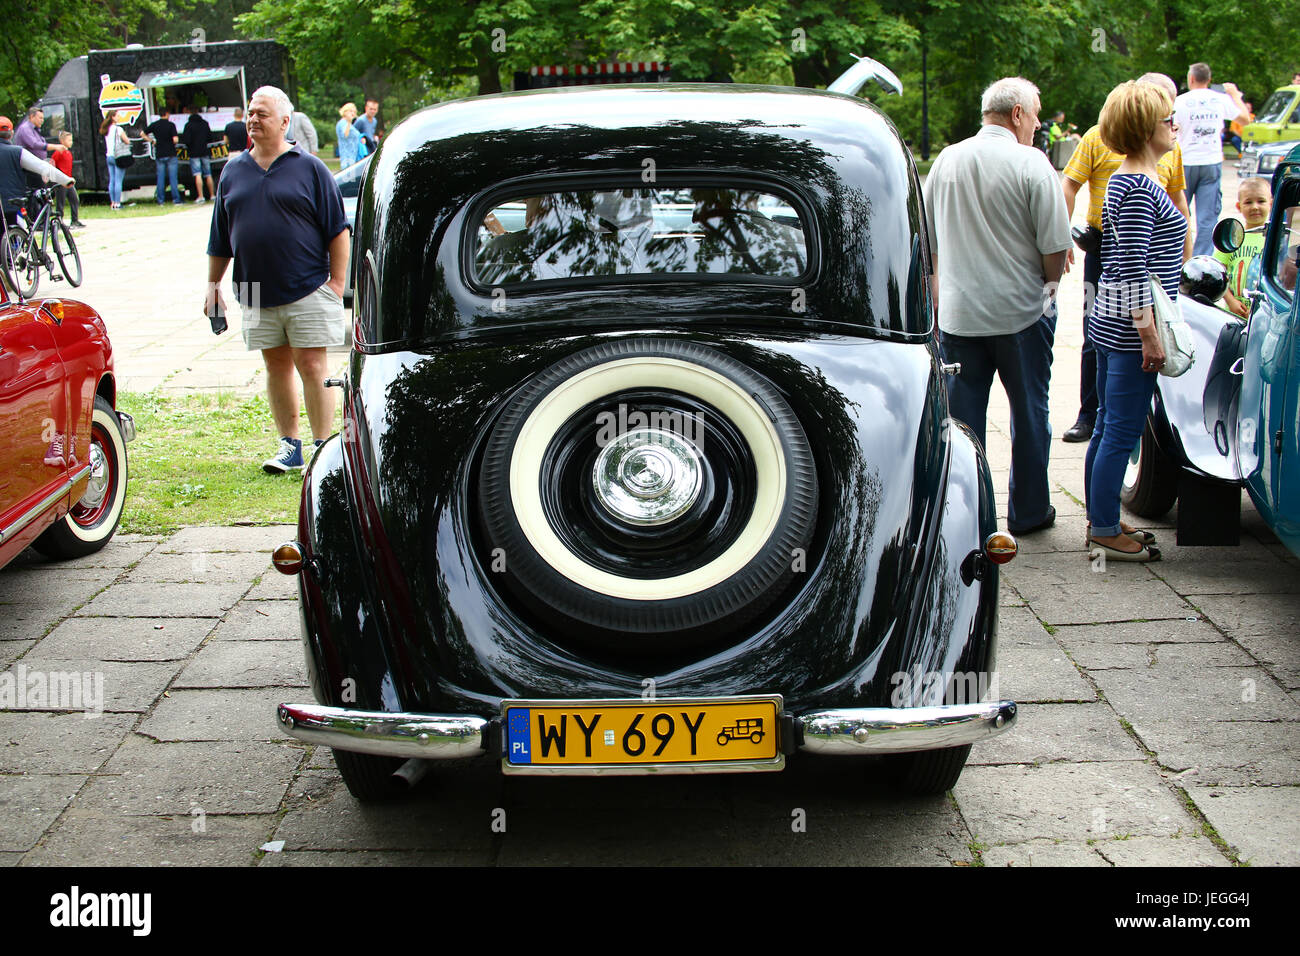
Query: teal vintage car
[(1268, 446), (1233, 420)]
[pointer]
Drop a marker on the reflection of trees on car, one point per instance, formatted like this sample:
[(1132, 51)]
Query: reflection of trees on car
[(635, 232)]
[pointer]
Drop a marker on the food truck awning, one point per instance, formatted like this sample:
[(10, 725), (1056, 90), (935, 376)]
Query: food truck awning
[(181, 77)]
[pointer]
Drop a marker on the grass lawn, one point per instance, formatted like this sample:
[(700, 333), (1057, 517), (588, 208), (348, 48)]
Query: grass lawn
[(129, 210), (136, 202), (197, 460)]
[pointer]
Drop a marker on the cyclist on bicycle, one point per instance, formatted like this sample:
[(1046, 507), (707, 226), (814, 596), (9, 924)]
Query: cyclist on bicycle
[(13, 184)]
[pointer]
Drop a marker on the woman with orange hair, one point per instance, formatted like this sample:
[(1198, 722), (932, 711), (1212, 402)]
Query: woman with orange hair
[(1142, 235)]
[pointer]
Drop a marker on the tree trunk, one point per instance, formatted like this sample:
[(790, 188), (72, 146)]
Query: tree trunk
[(487, 68)]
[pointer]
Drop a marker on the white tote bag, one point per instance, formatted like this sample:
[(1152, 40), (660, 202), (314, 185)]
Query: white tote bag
[(1175, 333)]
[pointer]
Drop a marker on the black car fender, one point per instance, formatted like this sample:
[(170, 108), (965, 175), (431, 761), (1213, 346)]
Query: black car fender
[(950, 653), (341, 630)]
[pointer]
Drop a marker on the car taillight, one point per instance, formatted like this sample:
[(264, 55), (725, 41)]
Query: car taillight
[(1000, 547), (287, 558)]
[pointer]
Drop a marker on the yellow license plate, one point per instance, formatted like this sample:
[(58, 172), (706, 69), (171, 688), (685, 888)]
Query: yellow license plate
[(635, 736)]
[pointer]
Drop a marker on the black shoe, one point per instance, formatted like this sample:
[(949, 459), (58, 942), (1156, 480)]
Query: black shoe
[(1042, 525), (1081, 430)]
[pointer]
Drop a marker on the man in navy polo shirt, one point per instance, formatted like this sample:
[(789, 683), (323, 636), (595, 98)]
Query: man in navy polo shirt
[(278, 213)]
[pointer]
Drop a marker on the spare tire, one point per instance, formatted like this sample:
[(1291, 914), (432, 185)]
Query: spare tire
[(650, 493)]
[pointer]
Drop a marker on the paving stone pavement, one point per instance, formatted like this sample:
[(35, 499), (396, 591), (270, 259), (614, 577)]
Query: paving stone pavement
[(1160, 722)]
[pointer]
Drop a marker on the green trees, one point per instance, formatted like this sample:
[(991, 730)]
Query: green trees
[(41, 35), (414, 52)]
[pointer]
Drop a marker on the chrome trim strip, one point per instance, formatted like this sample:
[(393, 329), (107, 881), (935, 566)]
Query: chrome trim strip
[(428, 736), (870, 730), (42, 506)]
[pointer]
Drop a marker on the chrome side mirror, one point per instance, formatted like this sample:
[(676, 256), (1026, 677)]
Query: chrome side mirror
[(1229, 235)]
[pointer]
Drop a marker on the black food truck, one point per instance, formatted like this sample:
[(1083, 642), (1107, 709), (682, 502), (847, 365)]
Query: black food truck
[(217, 77)]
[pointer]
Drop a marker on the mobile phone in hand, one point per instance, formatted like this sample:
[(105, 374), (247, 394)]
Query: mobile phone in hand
[(217, 316)]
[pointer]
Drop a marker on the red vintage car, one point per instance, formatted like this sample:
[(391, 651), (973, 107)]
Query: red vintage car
[(62, 441)]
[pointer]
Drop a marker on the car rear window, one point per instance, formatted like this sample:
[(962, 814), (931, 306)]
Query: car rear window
[(595, 233)]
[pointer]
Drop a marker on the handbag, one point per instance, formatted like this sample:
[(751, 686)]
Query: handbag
[(122, 157), (1087, 238), (1175, 334)]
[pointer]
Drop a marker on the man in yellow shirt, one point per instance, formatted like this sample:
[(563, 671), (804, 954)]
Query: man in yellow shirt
[(1092, 165)]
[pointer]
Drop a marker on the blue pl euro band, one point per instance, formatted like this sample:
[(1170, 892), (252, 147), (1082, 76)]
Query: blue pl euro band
[(517, 736)]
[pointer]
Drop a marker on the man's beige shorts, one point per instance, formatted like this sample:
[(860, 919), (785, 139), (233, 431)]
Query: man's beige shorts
[(314, 321)]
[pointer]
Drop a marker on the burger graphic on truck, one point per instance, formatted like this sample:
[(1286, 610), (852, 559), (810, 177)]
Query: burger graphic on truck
[(122, 98)]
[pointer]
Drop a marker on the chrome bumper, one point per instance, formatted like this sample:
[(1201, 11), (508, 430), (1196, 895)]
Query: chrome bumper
[(876, 730), (426, 736), (852, 732)]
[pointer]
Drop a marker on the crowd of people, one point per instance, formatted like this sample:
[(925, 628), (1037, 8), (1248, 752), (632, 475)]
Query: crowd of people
[(358, 135), (289, 253), (998, 213)]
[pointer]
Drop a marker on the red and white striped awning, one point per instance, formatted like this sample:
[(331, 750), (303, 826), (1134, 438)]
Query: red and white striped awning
[(598, 69)]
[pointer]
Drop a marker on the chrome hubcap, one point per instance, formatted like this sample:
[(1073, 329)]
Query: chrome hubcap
[(97, 487), (647, 476)]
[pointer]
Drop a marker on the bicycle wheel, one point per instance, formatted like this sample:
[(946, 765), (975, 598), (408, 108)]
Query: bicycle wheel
[(20, 262), (66, 249), (14, 236)]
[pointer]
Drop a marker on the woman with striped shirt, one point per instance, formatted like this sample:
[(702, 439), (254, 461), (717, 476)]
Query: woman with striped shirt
[(1142, 234)]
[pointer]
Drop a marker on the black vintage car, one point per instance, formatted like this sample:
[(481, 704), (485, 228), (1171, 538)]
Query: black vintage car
[(646, 437)]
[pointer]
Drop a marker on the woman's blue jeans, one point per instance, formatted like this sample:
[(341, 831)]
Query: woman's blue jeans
[(116, 175), (1124, 398)]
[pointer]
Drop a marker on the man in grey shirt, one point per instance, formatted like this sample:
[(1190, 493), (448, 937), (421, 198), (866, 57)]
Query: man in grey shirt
[(302, 132), (998, 238)]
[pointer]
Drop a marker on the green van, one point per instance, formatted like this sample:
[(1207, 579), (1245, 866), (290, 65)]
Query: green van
[(1279, 119)]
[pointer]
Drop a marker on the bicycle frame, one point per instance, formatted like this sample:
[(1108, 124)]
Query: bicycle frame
[(44, 233)]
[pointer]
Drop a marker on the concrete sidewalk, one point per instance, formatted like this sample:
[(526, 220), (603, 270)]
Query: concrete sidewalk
[(1159, 722)]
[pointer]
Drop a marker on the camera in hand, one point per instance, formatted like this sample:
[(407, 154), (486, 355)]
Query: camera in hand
[(217, 316)]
